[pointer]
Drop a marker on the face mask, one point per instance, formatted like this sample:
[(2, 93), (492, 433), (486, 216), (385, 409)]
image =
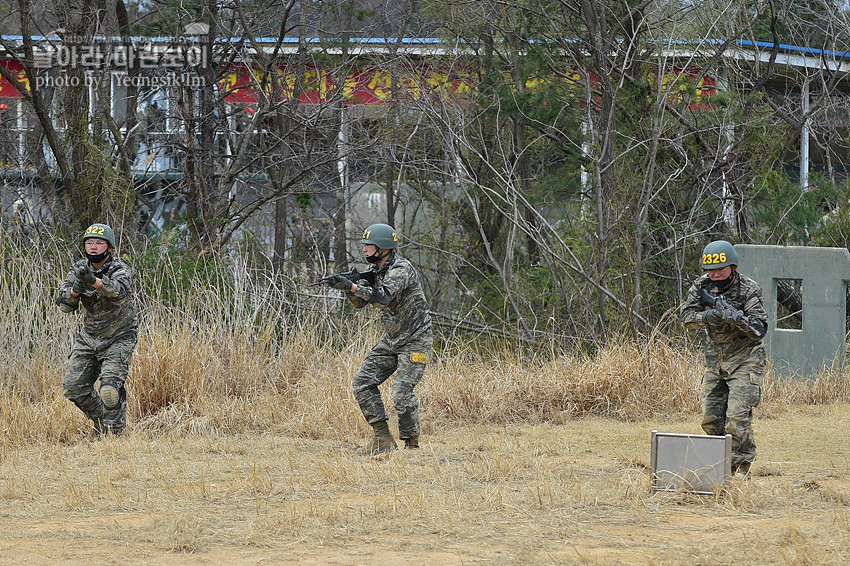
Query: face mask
[(374, 258), (98, 257), (724, 283)]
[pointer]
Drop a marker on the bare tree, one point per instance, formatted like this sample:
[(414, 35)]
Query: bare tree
[(74, 118)]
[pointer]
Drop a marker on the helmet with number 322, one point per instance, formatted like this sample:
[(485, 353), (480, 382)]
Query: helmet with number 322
[(101, 231), (718, 254)]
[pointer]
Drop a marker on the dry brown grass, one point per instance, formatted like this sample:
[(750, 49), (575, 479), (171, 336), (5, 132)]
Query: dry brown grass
[(242, 427), (574, 493), (262, 357)]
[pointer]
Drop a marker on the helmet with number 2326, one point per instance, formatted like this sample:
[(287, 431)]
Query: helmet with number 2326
[(719, 254)]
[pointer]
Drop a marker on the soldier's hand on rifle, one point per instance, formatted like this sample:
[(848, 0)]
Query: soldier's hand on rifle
[(713, 317), (340, 282), (80, 288), (85, 275), (731, 316)]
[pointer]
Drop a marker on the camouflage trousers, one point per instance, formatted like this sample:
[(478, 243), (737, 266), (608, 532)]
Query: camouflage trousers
[(727, 396), (408, 362), (110, 363)]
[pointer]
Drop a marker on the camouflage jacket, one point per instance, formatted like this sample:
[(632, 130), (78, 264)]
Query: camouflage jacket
[(110, 312), (398, 293), (726, 343)]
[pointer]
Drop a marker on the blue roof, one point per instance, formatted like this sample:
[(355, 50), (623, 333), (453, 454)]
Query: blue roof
[(810, 51), (796, 48)]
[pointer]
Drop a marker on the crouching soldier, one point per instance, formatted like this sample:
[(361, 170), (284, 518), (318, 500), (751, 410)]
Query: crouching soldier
[(405, 346), (734, 354), (102, 283)]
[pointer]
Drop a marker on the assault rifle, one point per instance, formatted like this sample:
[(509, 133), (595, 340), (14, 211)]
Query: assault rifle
[(353, 275), (719, 302)]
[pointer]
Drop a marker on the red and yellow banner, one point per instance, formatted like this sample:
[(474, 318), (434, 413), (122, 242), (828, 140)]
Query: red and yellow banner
[(7, 89), (677, 83), (681, 82), (243, 84)]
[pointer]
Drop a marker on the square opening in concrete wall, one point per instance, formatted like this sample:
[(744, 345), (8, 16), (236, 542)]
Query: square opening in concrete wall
[(789, 304)]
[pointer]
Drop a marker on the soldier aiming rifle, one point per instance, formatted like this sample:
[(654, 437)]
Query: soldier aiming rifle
[(405, 347)]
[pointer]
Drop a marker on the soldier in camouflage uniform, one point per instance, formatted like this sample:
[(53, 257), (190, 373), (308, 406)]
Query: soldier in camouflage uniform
[(734, 354), (404, 348), (102, 283)]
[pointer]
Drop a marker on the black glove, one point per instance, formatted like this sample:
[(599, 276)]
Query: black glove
[(713, 317), (85, 275), (61, 302), (340, 282), (81, 288)]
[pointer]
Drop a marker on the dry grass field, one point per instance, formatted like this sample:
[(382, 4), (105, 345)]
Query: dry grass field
[(573, 493), (243, 427)]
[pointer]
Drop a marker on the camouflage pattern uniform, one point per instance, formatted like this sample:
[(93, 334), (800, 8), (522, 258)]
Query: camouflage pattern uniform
[(104, 346), (734, 364), (404, 348)]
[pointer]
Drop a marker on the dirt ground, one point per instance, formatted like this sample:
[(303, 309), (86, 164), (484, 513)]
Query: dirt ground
[(520, 494)]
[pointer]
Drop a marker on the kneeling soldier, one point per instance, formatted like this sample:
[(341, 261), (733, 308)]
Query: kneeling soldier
[(102, 283)]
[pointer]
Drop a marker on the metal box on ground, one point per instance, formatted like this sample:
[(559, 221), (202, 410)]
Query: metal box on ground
[(697, 463)]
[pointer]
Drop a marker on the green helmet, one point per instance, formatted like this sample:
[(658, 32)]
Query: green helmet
[(381, 235), (718, 254), (101, 231)]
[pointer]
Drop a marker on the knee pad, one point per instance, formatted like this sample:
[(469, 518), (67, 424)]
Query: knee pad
[(112, 395)]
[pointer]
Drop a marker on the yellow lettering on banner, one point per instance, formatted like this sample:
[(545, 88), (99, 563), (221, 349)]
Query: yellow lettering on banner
[(348, 87), (380, 85), (23, 79), (265, 81), (287, 84), (411, 83), (418, 358), (464, 86), (315, 81), (230, 82), (413, 88), (437, 80), (381, 82)]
